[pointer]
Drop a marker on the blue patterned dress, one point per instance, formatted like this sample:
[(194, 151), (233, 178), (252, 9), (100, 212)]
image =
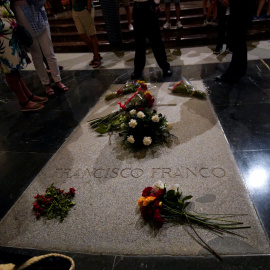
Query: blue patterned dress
[(11, 56)]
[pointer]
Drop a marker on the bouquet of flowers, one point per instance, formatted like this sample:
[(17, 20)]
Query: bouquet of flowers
[(144, 128), (141, 99), (54, 203), (186, 89), (128, 88), (159, 204)]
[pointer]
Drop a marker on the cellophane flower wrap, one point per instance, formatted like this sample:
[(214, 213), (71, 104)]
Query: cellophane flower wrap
[(185, 88), (128, 88), (55, 203), (159, 204), (141, 99)]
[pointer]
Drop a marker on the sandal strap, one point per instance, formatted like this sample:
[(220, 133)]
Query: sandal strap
[(23, 104)]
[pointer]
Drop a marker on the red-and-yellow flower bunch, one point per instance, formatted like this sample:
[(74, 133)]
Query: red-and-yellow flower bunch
[(160, 204)]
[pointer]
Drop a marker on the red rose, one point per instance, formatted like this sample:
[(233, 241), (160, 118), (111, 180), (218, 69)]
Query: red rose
[(158, 219), (147, 212), (119, 92), (147, 191), (72, 192), (36, 196), (160, 193)]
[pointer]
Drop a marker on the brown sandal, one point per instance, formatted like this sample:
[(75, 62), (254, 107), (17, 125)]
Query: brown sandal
[(38, 99), (92, 62), (36, 106), (96, 63)]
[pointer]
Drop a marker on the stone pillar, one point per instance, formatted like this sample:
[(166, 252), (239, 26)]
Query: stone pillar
[(110, 10)]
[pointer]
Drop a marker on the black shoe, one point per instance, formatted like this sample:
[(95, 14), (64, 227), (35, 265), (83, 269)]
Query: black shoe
[(217, 51), (136, 76), (228, 79), (167, 73)]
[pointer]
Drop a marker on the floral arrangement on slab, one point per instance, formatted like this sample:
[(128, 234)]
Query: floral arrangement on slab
[(128, 88), (185, 88), (141, 99), (160, 204), (144, 128), (55, 203)]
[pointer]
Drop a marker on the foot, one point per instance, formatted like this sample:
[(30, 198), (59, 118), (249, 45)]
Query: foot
[(38, 99), (167, 73), (167, 26), (179, 25), (49, 90), (61, 87), (92, 61), (30, 106), (228, 79), (136, 76), (218, 50), (130, 27), (96, 63)]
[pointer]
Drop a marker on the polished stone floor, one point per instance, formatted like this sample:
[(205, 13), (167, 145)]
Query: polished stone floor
[(29, 140)]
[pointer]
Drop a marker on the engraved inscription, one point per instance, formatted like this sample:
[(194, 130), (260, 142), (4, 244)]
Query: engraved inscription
[(183, 172)]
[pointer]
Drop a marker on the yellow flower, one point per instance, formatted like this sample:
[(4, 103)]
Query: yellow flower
[(140, 81), (140, 201), (147, 92), (148, 200)]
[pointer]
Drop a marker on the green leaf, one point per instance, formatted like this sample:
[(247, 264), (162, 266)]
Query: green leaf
[(102, 129), (187, 198)]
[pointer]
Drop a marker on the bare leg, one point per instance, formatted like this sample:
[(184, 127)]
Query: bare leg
[(177, 10), (168, 12), (129, 16), (260, 7)]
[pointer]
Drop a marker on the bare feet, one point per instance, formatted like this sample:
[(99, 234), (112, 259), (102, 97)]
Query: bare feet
[(61, 86), (30, 106)]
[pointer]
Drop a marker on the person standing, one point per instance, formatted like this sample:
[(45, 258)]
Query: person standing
[(83, 16), (126, 5), (32, 15), (239, 26), (167, 25), (12, 60), (146, 25)]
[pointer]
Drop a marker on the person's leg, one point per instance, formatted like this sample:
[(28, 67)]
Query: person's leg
[(260, 7), (204, 4), (128, 13), (177, 10), (221, 29), (168, 12), (13, 80), (155, 39), (139, 15), (46, 45)]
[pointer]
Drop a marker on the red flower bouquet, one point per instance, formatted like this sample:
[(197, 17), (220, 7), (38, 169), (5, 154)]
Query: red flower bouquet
[(128, 88), (185, 88), (55, 203), (159, 204)]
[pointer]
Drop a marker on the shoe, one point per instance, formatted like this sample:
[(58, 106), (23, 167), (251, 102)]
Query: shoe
[(256, 18), (33, 106), (49, 91), (228, 79), (92, 61), (96, 63), (136, 76), (167, 26), (206, 22), (130, 27), (228, 50), (217, 51), (167, 73), (179, 25), (213, 22), (60, 86), (38, 99)]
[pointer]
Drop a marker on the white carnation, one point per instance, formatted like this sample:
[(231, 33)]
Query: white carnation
[(173, 187), (131, 139), (122, 126), (155, 118), (140, 115), (132, 112), (132, 123), (169, 125), (147, 140), (157, 186)]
